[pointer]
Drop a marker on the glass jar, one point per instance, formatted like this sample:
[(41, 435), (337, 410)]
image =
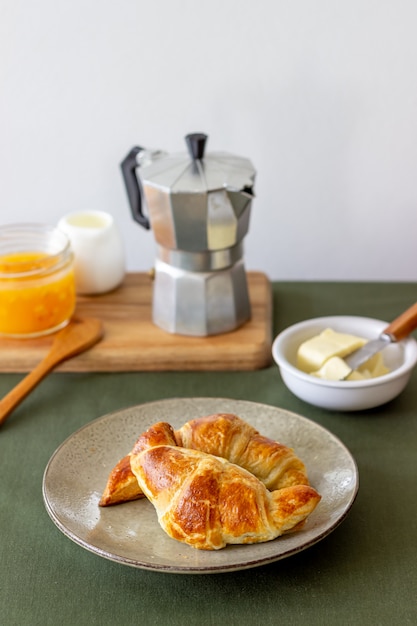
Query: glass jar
[(37, 285)]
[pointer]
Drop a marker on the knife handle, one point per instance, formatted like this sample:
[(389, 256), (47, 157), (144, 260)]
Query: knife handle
[(403, 325)]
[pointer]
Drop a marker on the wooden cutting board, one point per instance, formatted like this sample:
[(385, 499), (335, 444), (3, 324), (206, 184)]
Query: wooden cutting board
[(133, 343)]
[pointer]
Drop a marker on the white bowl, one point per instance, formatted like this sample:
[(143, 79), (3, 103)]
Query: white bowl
[(344, 395)]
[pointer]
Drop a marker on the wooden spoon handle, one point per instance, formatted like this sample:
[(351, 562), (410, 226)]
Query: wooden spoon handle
[(403, 325), (77, 336), (22, 389)]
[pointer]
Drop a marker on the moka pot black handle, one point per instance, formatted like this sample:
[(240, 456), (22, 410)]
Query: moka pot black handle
[(133, 187)]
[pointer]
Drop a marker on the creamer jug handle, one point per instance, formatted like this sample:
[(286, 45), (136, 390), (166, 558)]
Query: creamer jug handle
[(133, 188)]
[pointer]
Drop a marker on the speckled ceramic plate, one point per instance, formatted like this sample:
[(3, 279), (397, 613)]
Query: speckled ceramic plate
[(130, 534)]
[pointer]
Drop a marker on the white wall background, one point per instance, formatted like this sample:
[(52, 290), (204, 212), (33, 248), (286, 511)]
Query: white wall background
[(321, 95)]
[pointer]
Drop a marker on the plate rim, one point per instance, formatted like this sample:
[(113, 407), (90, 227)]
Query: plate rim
[(190, 569)]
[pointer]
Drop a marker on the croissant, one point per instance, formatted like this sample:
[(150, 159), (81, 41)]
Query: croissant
[(208, 502), (224, 435), (122, 485), (230, 437)]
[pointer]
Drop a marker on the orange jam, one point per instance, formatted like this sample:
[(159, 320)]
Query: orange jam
[(37, 292)]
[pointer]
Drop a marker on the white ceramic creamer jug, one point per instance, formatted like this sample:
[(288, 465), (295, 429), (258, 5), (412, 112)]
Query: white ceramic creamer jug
[(99, 259)]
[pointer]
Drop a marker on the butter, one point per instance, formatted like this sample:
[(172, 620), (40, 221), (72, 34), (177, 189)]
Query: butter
[(373, 368), (313, 353), (322, 356), (335, 368)]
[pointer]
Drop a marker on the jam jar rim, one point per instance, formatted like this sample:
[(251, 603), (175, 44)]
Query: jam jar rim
[(58, 258)]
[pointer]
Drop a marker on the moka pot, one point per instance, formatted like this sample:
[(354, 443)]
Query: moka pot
[(198, 206)]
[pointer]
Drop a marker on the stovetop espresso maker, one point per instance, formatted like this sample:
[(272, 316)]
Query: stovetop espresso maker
[(198, 206)]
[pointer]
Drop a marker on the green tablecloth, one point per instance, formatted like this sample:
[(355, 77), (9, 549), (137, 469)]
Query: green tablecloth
[(365, 572)]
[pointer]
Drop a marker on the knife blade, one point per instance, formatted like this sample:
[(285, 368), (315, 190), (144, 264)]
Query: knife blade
[(399, 329)]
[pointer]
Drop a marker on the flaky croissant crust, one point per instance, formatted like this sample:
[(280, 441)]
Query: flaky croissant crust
[(208, 502), (225, 435), (228, 436)]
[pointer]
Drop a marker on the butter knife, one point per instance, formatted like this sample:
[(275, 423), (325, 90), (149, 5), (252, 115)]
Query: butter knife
[(399, 329)]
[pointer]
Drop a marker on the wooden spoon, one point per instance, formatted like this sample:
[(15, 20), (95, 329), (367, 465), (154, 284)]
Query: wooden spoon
[(79, 335)]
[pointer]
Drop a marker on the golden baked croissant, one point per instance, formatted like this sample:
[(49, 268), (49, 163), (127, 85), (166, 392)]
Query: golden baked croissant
[(230, 437), (224, 435), (208, 502), (122, 485)]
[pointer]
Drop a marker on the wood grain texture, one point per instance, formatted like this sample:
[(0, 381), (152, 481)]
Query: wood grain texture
[(132, 342)]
